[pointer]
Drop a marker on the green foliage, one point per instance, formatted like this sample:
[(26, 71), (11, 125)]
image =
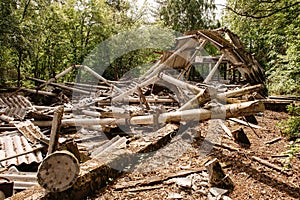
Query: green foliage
[(42, 38), (294, 149), (291, 126), (185, 15), (270, 30)]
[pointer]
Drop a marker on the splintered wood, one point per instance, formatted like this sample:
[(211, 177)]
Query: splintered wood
[(157, 102)]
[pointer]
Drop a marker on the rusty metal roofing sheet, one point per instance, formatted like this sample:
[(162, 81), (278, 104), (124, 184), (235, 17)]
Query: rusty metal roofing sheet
[(14, 143)]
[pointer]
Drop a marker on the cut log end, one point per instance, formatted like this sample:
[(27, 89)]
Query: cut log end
[(58, 171)]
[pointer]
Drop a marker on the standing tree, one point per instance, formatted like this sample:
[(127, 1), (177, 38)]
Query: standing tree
[(270, 29), (183, 15)]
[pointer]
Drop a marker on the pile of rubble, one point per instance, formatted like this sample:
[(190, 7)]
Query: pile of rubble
[(90, 133)]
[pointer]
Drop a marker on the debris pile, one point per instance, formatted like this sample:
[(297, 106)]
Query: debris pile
[(89, 133)]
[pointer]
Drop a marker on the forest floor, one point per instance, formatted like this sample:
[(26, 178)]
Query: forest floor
[(251, 179)]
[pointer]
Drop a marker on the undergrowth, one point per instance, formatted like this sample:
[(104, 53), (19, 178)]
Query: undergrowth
[(291, 129)]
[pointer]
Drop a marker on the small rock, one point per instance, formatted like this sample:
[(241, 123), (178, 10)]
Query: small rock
[(217, 191), (226, 198), (201, 191), (203, 183), (183, 182), (173, 195)]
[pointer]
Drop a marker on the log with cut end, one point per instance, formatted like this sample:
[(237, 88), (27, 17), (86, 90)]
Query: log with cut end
[(227, 111), (58, 171)]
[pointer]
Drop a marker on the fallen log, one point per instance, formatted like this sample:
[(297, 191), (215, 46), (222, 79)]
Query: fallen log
[(228, 111), (211, 93), (179, 83)]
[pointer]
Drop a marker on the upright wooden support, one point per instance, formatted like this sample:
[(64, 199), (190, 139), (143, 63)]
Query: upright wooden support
[(54, 135), (213, 71)]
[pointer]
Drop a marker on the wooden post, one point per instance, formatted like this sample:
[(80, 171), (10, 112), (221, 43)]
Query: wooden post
[(212, 72), (143, 98), (187, 67), (54, 135)]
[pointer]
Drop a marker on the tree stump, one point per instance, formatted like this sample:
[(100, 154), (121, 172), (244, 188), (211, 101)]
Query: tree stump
[(241, 138), (58, 171), (251, 119), (217, 177)]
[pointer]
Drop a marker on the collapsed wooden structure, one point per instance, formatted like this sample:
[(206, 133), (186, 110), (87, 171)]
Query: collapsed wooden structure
[(86, 115)]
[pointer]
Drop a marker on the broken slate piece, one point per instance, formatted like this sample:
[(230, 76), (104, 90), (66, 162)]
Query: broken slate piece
[(173, 195), (226, 198), (182, 182), (217, 191)]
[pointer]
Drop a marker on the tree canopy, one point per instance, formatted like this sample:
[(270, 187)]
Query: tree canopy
[(270, 29)]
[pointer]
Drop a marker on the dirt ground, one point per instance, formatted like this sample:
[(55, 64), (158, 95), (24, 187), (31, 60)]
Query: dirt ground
[(251, 179)]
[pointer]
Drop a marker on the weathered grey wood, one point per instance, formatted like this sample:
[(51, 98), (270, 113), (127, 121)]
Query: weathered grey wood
[(226, 129), (179, 83), (266, 163), (6, 118), (88, 86), (92, 113), (274, 140), (99, 77), (62, 86), (245, 123), (55, 130), (211, 93), (198, 100), (228, 111), (197, 50), (125, 94), (213, 71)]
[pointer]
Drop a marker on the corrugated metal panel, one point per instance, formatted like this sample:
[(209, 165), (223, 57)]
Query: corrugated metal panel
[(15, 106), (31, 132), (14, 144), (22, 180)]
